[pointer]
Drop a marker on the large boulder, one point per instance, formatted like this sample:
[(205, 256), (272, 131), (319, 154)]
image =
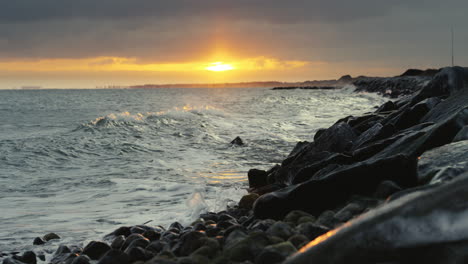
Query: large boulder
[(428, 226), (316, 195), (443, 163)]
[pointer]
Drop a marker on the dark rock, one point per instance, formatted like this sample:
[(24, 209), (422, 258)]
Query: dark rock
[(316, 195), (443, 163), (234, 237), (261, 225), (139, 242), (28, 257), (114, 256), (281, 230), (349, 211), (188, 243), (82, 259), (212, 231), (137, 230), (160, 260), (316, 136), (338, 138), (96, 249), (157, 246), (176, 225), (345, 79), (118, 242), (38, 241), (298, 240), (11, 261), (226, 224), (237, 142), (257, 178), (248, 200), (388, 106), (121, 231), (50, 236), (275, 253), (418, 72), (136, 253), (461, 135), (210, 216), (132, 238), (385, 189), (62, 254), (294, 216), (327, 218), (311, 230), (434, 218), (248, 248)]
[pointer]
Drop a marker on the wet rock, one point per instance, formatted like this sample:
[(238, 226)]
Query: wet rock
[(248, 200), (257, 178), (176, 225), (338, 138), (311, 230), (237, 142), (114, 256), (388, 106), (212, 231), (443, 163), (132, 238), (118, 242), (348, 212), (261, 225), (61, 254), (157, 246), (11, 261), (281, 230), (275, 253), (298, 240), (137, 230), (160, 260), (136, 253), (328, 219), (316, 195), (38, 241), (139, 242), (96, 249), (234, 237), (461, 135), (28, 257), (417, 222), (50, 236), (188, 243), (248, 248), (210, 216), (294, 216), (121, 231), (386, 189), (82, 259)]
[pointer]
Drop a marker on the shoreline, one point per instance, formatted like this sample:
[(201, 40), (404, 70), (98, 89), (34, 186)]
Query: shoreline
[(360, 173)]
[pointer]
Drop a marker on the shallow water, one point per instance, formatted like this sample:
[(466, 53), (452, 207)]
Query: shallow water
[(82, 162)]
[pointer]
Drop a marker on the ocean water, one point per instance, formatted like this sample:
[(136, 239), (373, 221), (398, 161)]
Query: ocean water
[(80, 163)]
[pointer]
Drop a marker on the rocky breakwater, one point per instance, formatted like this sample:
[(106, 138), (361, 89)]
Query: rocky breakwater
[(406, 84), (387, 187), (408, 159)]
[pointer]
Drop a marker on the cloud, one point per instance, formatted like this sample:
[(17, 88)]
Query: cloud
[(269, 10)]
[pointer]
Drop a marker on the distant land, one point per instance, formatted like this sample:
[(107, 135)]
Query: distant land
[(344, 80)]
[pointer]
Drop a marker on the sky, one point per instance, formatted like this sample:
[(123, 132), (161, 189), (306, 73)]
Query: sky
[(89, 43)]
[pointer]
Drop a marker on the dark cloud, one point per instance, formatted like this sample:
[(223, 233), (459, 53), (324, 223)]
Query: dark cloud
[(269, 10)]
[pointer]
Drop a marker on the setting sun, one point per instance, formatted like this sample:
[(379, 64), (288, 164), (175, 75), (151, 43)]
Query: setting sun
[(219, 66)]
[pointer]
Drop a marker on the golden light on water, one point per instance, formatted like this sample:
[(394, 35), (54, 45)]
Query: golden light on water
[(219, 67)]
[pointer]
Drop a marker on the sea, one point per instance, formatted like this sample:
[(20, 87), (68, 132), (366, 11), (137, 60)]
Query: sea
[(81, 162)]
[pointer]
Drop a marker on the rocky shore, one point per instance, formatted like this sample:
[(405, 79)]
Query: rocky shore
[(387, 187)]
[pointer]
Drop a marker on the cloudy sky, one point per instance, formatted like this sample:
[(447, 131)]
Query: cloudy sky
[(64, 43)]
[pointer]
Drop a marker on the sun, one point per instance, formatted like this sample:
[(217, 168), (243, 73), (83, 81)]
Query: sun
[(219, 67)]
